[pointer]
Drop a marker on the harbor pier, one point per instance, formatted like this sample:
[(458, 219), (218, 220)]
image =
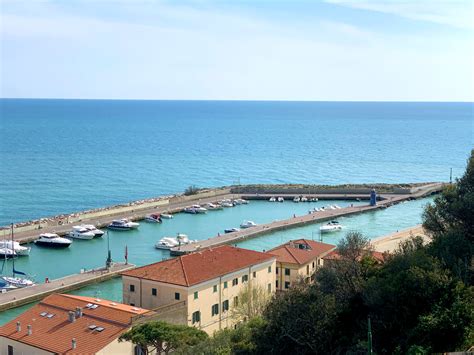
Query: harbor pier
[(22, 296)]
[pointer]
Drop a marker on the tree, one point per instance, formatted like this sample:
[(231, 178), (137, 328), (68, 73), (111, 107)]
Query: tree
[(191, 190), (450, 222), (163, 337), (252, 301)]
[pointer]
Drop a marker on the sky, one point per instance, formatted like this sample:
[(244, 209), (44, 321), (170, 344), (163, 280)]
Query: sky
[(337, 50)]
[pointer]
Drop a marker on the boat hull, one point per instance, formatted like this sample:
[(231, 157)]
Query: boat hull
[(115, 228), (52, 245)]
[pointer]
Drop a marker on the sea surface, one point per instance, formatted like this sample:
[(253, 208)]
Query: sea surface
[(59, 156)]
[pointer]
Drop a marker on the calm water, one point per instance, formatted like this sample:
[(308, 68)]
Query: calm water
[(60, 156), (88, 254)]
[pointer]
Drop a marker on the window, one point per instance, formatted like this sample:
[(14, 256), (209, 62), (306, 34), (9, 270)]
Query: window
[(132, 304), (215, 309), (276, 283), (196, 295), (287, 284), (313, 264), (225, 284), (307, 269), (254, 274), (236, 301), (235, 282), (225, 305), (214, 288), (177, 296), (276, 270), (153, 291), (132, 288), (269, 269), (269, 288), (10, 350), (196, 317), (139, 350), (287, 272), (245, 278)]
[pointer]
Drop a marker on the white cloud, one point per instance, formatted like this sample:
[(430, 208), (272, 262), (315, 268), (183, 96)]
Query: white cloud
[(455, 13)]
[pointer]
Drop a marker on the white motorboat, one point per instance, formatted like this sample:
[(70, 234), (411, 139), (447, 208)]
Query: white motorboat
[(211, 206), (52, 240), (332, 226), (226, 203), (247, 224), (131, 224), (280, 199), (119, 225), (166, 216), (18, 281), (153, 218), (332, 207), (170, 242), (304, 199), (240, 201), (166, 243), (93, 229), (79, 232), (338, 207), (314, 199), (16, 247), (296, 199), (195, 209), (231, 230), (6, 253), (272, 199), (5, 286)]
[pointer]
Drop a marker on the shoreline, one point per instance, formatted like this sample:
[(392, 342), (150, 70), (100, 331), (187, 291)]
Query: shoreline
[(390, 242)]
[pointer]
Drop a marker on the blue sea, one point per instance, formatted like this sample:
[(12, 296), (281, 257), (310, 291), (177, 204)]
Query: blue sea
[(59, 156)]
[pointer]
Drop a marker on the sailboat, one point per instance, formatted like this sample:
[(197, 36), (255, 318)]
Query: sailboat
[(14, 280)]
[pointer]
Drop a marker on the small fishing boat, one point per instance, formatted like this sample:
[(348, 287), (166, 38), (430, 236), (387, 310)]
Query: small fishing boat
[(296, 199), (93, 229), (166, 216), (79, 232), (133, 225), (337, 207), (153, 218), (226, 203), (19, 250), (247, 224), (332, 226), (195, 209), (52, 240), (272, 199), (304, 199), (332, 207), (231, 230), (314, 199), (280, 199)]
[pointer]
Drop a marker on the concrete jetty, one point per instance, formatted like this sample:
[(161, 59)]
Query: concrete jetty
[(22, 296), (386, 200)]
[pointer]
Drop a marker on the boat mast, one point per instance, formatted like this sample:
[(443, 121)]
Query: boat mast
[(13, 258)]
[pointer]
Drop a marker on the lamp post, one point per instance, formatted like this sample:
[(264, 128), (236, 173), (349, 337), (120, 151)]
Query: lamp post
[(108, 262)]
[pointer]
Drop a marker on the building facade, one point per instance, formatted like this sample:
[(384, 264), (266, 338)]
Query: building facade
[(297, 261), (206, 283), (67, 324)]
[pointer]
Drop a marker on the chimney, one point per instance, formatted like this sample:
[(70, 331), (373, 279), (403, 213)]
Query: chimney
[(73, 343), (78, 312), (18, 327), (29, 329), (72, 317)]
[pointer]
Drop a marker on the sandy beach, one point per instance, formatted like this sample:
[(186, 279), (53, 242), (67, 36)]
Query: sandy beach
[(391, 241)]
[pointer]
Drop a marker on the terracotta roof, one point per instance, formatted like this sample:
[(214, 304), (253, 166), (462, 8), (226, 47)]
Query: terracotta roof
[(192, 269), (300, 251), (55, 334), (334, 255)]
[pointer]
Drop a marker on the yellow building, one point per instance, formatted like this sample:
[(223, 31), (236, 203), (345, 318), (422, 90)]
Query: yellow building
[(206, 283), (67, 324), (297, 261)]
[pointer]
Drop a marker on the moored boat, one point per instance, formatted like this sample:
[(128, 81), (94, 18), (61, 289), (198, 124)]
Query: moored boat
[(153, 218), (166, 216), (52, 240), (6, 253), (280, 199), (195, 209), (19, 250), (231, 230), (93, 229), (18, 282), (332, 226), (272, 199), (247, 224), (79, 232)]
